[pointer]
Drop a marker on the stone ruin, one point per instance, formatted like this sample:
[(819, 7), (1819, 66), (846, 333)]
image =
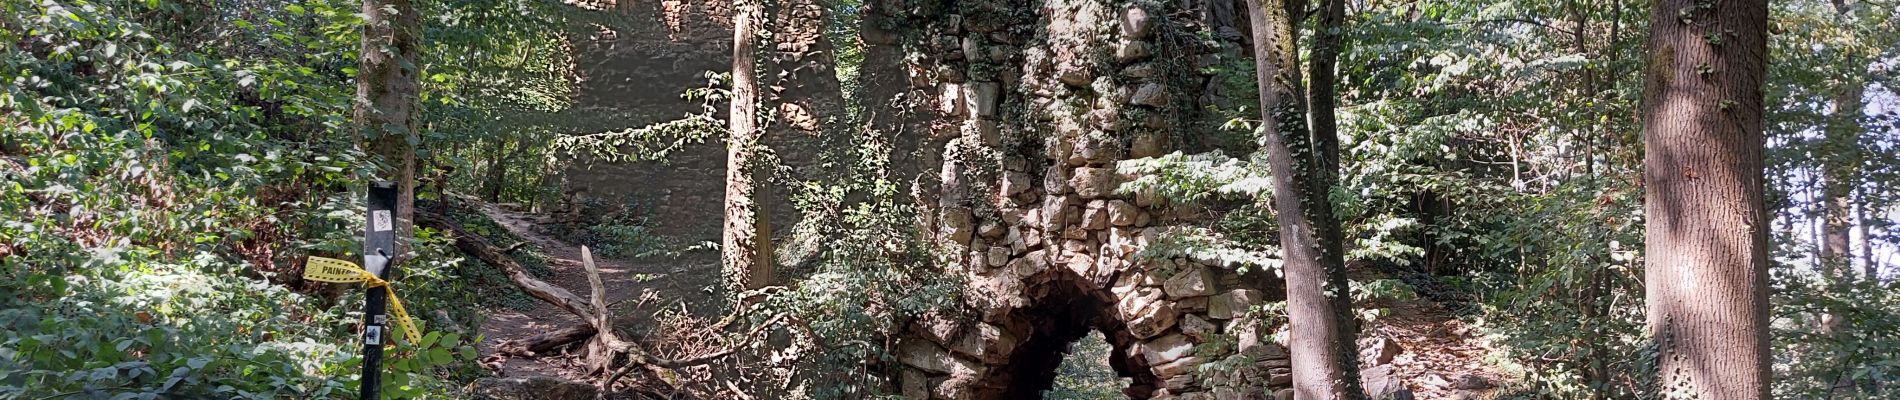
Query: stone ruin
[(1033, 105)]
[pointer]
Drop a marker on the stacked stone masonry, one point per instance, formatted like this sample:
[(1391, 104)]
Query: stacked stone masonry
[(1036, 104)]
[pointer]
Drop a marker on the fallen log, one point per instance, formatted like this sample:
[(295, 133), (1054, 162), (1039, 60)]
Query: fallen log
[(482, 249), (545, 342)]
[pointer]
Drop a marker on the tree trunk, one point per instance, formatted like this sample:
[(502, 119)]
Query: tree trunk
[(1866, 240), (497, 172), (746, 249), (1303, 166), (1706, 231), (386, 100), (1839, 176)]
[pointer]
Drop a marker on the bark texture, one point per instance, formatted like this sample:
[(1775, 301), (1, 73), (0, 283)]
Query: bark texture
[(747, 248), (386, 100), (1303, 167), (1706, 230)]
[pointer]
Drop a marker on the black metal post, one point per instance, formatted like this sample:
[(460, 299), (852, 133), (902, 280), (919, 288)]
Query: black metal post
[(379, 244)]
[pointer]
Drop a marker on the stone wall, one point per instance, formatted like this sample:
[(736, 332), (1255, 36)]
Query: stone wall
[(1035, 105)]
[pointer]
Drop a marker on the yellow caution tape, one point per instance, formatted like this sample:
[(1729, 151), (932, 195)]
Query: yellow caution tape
[(339, 271)]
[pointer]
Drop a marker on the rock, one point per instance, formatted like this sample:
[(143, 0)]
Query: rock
[(1182, 384), (1197, 328), (916, 384), (1146, 145), (1076, 246), (1181, 367), (1251, 342), (957, 225), (1284, 394), (1472, 382), (1151, 94), (997, 256), (1074, 75), (1094, 217), (1191, 304), (957, 388), (982, 131), (950, 74), (919, 75), (1136, 23), (1124, 284), (1152, 318), (950, 99), (1081, 264), (1194, 281), (983, 97), (1232, 304), (972, 48), (1031, 264), (928, 356), (1141, 71), (938, 328), (1148, 197), (537, 387), (1107, 118), (991, 344), (1016, 182), (1285, 379), (1131, 51), (1075, 233), (1121, 213), (1094, 183), (1166, 349), (1383, 349), (1382, 383)]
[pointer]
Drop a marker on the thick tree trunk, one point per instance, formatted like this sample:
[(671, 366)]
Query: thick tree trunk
[(1303, 166), (1706, 231), (747, 249), (386, 100)]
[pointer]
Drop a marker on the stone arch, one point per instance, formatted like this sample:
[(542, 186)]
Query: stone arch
[(1036, 103)]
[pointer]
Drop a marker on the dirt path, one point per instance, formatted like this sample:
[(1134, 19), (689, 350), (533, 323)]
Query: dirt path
[(1443, 358), (635, 288)]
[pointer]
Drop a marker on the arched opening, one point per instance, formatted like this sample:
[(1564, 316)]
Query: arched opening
[(1085, 373), (1067, 313)]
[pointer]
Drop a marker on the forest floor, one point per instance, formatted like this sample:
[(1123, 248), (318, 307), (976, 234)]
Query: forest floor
[(1442, 356), (636, 287)]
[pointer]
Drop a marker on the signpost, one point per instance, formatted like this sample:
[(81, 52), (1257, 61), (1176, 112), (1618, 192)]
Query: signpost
[(379, 245)]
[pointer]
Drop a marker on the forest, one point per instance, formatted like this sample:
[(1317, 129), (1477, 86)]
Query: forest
[(950, 199)]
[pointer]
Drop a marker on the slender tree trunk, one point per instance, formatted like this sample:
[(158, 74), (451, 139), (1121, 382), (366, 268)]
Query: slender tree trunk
[(1839, 176), (747, 242), (1706, 237), (386, 100), (1304, 166), (1866, 240), (497, 172)]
